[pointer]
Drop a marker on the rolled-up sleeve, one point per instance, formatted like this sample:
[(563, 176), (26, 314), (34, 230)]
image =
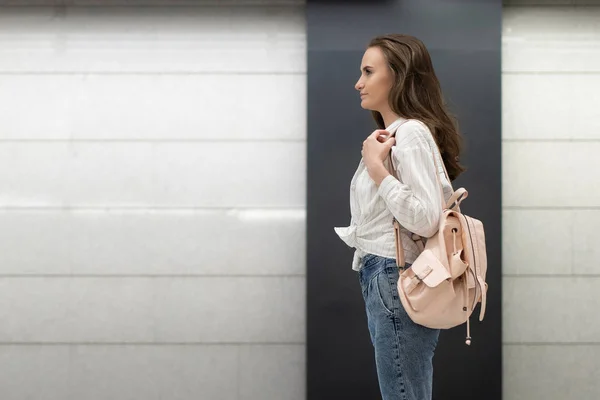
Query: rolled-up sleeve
[(416, 199)]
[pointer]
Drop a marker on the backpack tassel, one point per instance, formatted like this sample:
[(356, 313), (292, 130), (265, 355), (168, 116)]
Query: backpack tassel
[(468, 340)]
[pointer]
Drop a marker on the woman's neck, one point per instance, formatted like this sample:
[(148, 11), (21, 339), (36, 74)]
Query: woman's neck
[(388, 117)]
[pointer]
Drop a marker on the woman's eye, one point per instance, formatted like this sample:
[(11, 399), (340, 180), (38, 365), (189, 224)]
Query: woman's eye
[(368, 72)]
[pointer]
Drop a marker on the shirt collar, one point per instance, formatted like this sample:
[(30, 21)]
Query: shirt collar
[(394, 125)]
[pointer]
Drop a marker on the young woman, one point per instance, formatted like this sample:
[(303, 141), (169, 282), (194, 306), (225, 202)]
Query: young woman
[(398, 84)]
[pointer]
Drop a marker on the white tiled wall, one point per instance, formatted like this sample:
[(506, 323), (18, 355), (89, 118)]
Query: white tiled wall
[(152, 164), (551, 199)]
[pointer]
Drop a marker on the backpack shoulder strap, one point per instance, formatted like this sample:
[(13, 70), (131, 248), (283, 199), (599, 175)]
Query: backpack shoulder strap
[(437, 177)]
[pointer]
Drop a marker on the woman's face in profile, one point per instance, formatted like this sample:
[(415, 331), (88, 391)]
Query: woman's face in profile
[(375, 80)]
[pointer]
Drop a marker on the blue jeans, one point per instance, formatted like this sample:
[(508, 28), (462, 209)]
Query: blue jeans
[(403, 349)]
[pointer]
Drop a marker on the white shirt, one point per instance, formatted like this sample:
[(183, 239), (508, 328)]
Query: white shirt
[(414, 200)]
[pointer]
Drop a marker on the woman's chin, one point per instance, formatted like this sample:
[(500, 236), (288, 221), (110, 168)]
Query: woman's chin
[(365, 105)]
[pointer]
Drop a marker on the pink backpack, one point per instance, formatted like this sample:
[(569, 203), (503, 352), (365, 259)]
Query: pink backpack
[(447, 280)]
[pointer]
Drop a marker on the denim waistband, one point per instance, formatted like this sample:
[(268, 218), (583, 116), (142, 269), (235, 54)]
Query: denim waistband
[(373, 264)]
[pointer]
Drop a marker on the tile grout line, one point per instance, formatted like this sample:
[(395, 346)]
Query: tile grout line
[(551, 275), (552, 208), (544, 140), (573, 72), (230, 209), (65, 3), (152, 344), (551, 344), (152, 73), (170, 140), (171, 276)]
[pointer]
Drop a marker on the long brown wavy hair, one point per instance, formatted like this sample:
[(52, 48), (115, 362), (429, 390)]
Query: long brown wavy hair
[(417, 94)]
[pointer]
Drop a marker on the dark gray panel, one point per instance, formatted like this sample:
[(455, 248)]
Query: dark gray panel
[(464, 40)]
